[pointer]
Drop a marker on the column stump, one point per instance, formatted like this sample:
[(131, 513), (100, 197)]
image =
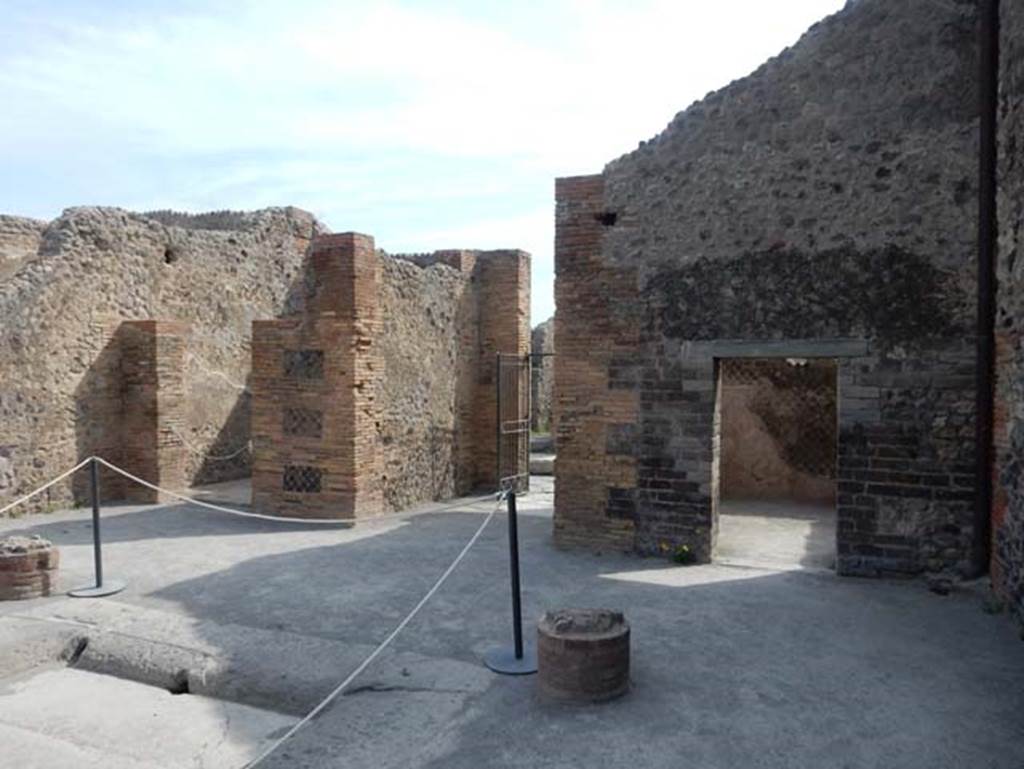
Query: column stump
[(28, 568), (583, 655)]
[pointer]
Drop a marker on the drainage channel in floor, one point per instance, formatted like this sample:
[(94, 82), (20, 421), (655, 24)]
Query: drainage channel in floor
[(60, 715)]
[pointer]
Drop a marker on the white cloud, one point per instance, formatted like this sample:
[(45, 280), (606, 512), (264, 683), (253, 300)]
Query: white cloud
[(361, 110)]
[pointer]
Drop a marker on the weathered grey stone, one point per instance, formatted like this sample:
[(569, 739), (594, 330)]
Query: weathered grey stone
[(96, 267), (542, 347), (1008, 432), (19, 240)]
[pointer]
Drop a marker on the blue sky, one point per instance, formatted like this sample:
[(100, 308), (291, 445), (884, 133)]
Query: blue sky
[(426, 124)]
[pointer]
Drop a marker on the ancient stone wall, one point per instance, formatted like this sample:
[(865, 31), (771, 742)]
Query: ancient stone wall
[(19, 240), (778, 429), (398, 404), (542, 347), (431, 355), (824, 206), (61, 357), (1008, 432)]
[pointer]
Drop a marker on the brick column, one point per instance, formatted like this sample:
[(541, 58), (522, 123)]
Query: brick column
[(594, 403), (316, 391), (503, 278), (153, 396)]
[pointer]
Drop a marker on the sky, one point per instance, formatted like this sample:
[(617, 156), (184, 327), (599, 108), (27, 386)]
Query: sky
[(425, 124)]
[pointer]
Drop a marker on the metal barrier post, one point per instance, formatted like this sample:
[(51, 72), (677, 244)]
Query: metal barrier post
[(519, 659), (101, 588)]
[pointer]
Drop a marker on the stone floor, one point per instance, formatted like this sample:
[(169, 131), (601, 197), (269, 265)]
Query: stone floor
[(776, 534), (63, 717), (753, 667)]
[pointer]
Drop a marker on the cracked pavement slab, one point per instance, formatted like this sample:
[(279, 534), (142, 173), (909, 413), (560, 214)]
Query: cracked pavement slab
[(64, 717)]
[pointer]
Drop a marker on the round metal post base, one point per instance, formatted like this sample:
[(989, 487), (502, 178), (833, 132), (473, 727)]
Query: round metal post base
[(109, 587), (502, 659)]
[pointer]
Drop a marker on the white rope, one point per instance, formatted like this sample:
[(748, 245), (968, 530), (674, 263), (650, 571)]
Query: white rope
[(282, 519), (217, 374), (204, 453), (380, 648), (44, 487)]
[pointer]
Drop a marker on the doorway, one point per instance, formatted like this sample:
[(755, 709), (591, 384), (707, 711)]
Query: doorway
[(777, 433)]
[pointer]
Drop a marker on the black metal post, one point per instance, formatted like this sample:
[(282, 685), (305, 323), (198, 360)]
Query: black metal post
[(521, 658), (97, 542), (101, 588), (513, 557)]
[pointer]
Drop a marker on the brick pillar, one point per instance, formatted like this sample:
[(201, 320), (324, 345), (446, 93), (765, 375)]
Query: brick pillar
[(153, 397), (467, 369), (316, 391), (503, 278), (594, 404)]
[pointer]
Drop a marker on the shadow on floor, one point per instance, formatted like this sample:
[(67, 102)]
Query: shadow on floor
[(730, 666)]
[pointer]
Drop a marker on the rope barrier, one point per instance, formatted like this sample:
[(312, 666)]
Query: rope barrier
[(281, 519), (455, 506), (380, 647), (194, 360), (204, 453), (45, 486)]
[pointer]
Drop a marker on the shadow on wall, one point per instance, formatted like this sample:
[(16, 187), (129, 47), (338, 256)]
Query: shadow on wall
[(102, 429), (98, 412), (229, 457)]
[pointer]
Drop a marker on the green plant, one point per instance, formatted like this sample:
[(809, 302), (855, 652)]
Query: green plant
[(683, 555)]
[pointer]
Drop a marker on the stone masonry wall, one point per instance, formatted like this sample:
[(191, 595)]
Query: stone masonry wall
[(19, 240), (824, 206), (60, 315), (542, 346), (430, 351), (1008, 430)]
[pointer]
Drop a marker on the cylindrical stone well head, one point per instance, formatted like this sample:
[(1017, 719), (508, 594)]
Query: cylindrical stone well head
[(28, 567), (583, 654)]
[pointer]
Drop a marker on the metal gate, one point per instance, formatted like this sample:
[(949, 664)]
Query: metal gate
[(513, 421)]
